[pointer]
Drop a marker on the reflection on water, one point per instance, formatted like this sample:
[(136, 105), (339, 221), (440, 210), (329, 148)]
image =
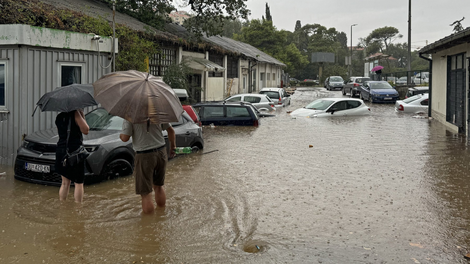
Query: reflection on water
[(385, 188)]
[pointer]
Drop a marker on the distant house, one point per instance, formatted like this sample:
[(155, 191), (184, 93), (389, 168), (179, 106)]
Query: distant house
[(34, 61), (450, 83), (377, 59), (178, 17)]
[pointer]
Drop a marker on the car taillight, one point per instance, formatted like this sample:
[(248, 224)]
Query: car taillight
[(271, 104), (279, 101), (368, 109), (401, 108), (356, 85), (256, 123), (199, 123)]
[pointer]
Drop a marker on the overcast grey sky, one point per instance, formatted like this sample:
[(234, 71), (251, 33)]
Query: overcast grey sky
[(430, 19)]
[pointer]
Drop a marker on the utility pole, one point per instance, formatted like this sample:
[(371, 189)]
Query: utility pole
[(409, 43), (350, 61)]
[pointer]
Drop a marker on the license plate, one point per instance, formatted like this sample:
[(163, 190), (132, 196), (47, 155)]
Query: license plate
[(388, 98), (37, 167)]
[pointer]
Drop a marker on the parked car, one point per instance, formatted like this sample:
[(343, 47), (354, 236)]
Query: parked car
[(261, 101), (402, 80), (228, 113), (192, 113), (416, 90), (378, 92), (109, 156), (414, 104), (325, 107), (421, 78), (352, 86), (278, 95), (334, 82)]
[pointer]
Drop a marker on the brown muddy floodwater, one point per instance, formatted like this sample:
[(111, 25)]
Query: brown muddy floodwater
[(385, 188)]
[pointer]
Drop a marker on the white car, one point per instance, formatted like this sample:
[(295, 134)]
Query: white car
[(325, 107), (261, 101), (414, 104)]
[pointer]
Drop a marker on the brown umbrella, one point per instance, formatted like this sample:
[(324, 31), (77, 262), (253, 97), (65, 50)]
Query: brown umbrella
[(138, 97)]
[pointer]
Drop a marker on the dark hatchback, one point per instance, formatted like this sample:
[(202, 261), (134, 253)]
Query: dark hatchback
[(228, 113), (109, 158)]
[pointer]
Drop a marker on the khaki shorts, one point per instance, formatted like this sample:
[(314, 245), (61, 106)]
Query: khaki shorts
[(149, 170)]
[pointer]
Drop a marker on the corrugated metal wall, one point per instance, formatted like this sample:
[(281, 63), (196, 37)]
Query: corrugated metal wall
[(31, 73)]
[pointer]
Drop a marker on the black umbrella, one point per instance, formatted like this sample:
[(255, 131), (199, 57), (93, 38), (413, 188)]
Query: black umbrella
[(67, 98)]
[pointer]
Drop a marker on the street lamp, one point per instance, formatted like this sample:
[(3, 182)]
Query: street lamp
[(350, 61)]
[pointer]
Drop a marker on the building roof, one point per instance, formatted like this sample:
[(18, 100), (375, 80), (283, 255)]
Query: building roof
[(447, 42), (99, 9), (235, 46), (173, 32)]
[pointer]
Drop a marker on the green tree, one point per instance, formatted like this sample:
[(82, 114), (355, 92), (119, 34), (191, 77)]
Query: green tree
[(208, 17), (384, 37), (232, 27), (268, 13)]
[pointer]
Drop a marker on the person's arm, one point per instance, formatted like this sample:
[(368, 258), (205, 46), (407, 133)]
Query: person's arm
[(124, 138), (81, 122), (126, 131), (172, 140)]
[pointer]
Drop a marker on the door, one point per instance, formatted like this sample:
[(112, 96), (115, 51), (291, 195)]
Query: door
[(456, 77)]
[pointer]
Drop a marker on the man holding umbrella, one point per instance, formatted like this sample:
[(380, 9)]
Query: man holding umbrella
[(148, 106)]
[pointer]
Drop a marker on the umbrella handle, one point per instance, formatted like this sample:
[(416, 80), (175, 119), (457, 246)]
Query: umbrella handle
[(35, 110)]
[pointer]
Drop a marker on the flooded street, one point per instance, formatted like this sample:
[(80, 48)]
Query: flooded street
[(385, 188)]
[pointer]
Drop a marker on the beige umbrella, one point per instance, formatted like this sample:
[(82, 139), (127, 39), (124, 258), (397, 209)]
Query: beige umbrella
[(138, 97)]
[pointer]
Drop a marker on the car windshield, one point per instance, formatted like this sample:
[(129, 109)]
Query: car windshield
[(380, 85), (319, 104), (99, 119), (336, 79), (412, 98)]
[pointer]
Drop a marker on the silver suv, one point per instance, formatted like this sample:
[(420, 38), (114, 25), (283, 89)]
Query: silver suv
[(278, 95), (109, 158), (261, 101)]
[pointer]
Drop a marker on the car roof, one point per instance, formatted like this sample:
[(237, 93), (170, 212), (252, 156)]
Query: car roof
[(222, 103), (337, 99), (419, 88), (271, 89), (248, 94)]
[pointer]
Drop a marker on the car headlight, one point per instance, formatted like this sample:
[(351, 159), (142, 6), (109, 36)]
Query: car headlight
[(25, 144), (91, 148)]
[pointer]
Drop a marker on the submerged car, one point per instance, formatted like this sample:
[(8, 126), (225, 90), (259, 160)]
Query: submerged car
[(414, 104), (279, 96), (334, 82), (378, 92), (325, 107), (261, 101), (109, 156), (228, 113), (353, 86), (416, 90)]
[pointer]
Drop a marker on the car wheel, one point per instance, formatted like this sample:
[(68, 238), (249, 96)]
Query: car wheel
[(344, 92), (116, 168)]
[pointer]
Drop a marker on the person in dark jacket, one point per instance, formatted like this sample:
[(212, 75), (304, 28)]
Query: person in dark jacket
[(78, 126)]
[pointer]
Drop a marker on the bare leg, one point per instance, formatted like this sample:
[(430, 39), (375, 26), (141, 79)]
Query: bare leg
[(78, 193), (147, 204), (160, 196), (64, 189)]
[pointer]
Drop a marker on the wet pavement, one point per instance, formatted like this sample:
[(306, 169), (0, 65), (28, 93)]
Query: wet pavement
[(384, 188)]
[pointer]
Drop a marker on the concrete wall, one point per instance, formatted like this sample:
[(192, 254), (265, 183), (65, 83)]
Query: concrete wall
[(215, 91)]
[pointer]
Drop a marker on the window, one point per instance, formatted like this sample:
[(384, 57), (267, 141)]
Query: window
[(235, 99), (159, 63), (70, 74), (274, 76), (268, 76), (353, 104), (3, 92), (233, 111), (252, 99), (425, 102), (339, 106), (213, 111), (232, 67), (219, 59)]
